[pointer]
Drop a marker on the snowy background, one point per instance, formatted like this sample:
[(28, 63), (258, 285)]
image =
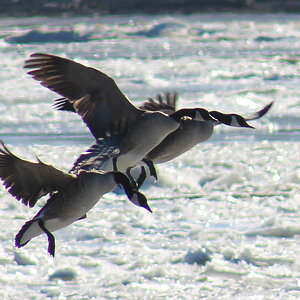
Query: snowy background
[(225, 222)]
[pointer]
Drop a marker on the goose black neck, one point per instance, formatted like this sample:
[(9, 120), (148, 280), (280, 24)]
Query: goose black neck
[(122, 179), (185, 112), (220, 117)]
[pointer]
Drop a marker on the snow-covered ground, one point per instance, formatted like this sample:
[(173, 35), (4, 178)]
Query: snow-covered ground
[(225, 222)]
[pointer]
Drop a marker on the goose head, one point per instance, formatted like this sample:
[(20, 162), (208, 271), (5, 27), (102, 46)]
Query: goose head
[(230, 119), (132, 193), (139, 199)]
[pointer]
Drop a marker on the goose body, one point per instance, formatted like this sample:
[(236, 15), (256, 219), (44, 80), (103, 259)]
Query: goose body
[(71, 195), (192, 131), (68, 205)]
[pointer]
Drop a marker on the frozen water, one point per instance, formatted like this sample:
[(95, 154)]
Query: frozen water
[(234, 198)]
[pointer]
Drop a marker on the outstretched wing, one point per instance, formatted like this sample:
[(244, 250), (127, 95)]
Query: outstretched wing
[(28, 181), (94, 95), (164, 103)]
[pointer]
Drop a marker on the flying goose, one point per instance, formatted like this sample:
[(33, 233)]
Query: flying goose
[(103, 107), (71, 196), (192, 131)]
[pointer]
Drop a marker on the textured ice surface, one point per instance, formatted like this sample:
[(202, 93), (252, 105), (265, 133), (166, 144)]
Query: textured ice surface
[(235, 196)]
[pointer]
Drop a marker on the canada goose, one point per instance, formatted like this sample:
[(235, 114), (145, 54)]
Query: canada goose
[(192, 131), (71, 196), (102, 106)]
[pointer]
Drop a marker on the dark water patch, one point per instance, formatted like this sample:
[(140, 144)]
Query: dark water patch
[(279, 77), (205, 32), (246, 75), (36, 36), (138, 81), (266, 91), (200, 257), (289, 210), (225, 39), (263, 38), (234, 260), (158, 30), (290, 60), (65, 275), (104, 7)]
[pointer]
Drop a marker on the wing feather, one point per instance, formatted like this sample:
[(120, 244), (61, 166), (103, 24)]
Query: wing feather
[(29, 181), (164, 103), (94, 157), (94, 95)]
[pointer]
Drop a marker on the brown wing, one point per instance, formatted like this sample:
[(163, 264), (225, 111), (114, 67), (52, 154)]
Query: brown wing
[(28, 181), (94, 95), (164, 103)]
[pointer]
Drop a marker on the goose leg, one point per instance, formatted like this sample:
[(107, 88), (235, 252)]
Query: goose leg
[(114, 161), (141, 178), (51, 239), (83, 217), (151, 167)]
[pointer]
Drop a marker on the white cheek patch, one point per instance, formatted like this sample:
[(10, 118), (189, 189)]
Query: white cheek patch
[(198, 116), (234, 122)]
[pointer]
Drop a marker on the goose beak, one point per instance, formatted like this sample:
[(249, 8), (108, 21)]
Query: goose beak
[(139, 199), (146, 206), (143, 201), (243, 123), (249, 126)]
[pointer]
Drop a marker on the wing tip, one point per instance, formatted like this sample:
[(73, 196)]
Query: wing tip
[(35, 60), (18, 239)]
